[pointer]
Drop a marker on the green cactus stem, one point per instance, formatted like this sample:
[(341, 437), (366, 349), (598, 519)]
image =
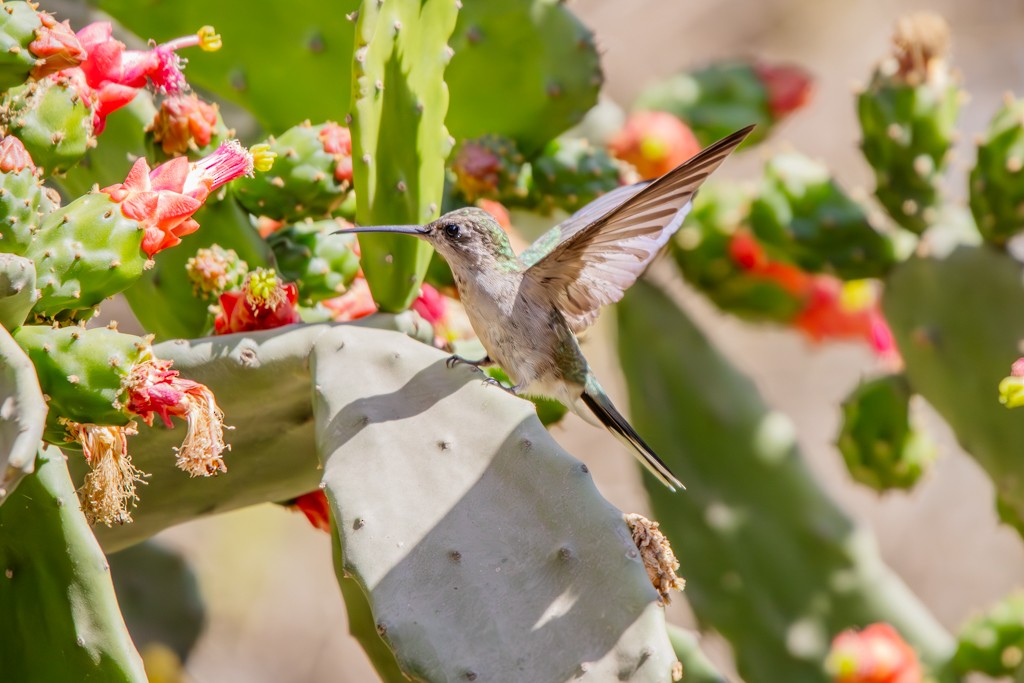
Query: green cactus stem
[(799, 572), (553, 81), (321, 264), (997, 193), (958, 343), (801, 214), (399, 142), (697, 668), (882, 446), (21, 425), (56, 586), (908, 116)]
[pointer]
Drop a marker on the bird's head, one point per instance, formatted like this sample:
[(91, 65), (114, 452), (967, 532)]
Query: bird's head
[(467, 238)]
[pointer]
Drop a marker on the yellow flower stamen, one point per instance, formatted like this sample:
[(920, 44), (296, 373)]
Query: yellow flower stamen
[(209, 39), (262, 157)]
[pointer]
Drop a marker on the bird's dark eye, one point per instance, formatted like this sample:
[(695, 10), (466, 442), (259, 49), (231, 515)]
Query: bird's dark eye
[(452, 231)]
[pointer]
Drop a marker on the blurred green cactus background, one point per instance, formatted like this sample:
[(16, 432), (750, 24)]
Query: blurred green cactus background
[(231, 448)]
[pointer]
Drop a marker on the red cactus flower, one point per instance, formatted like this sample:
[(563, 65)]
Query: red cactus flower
[(875, 655), (110, 76), (56, 47), (430, 304), (357, 302), (263, 303), (184, 122), (13, 156), (749, 255), (337, 140), (789, 87), (654, 142), (154, 389), (164, 199), (314, 506)]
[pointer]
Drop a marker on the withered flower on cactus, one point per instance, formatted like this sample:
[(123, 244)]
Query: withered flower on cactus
[(155, 389), (659, 560), (163, 199), (263, 303), (183, 122), (109, 487), (878, 654)]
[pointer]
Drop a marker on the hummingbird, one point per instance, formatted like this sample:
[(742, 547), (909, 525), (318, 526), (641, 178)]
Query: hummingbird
[(528, 309)]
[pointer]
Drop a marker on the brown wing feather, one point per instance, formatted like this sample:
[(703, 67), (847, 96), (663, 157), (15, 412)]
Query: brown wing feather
[(595, 265)]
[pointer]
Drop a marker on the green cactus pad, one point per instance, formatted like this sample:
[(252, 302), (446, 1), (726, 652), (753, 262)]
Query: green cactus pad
[(958, 342), (701, 249), (51, 120), (57, 588), (801, 211), (17, 290), (82, 372), (713, 101), (18, 24), (321, 264), (697, 668), (880, 443), (467, 531), (399, 141), (770, 561), (284, 63), (301, 184), (24, 203), (549, 86), (570, 173), (21, 423), (85, 252), (997, 184)]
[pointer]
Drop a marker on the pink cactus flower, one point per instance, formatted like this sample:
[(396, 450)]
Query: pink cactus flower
[(654, 142), (56, 47)]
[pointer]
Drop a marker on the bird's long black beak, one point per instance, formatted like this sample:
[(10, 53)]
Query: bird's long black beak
[(394, 229)]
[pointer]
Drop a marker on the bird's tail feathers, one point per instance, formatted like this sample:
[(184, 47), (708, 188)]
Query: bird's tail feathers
[(607, 416)]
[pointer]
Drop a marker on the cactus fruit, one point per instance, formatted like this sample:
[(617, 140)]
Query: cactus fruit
[(321, 264), (802, 214), (751, 498), (52, 120), (488, 167), (215, 270), (997, 200), (570, 173), (882, 446), (993, 643), (23, 417), (312, 175), (722, 97), (468, 557), (907, 115), (186, 124), (57, 586), (99, 244), (33, 43), (654, 142), (553, 81), (399, 140)]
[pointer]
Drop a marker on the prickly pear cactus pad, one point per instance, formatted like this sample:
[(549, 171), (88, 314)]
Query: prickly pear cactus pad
[(458, 532), (956, 352), (61, 622), (23, 417)]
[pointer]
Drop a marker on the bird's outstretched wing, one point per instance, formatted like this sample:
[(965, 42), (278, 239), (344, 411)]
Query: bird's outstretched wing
[(594, 265)]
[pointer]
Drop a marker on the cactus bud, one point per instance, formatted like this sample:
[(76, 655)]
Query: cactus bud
[(875, 655), (488, 167), (570, 173), (185, 123), (997, 191), (35, 44), (1011, 389), (215, 270)]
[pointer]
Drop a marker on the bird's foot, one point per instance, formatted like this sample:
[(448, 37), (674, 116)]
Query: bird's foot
[(514, 389), (454, 360)]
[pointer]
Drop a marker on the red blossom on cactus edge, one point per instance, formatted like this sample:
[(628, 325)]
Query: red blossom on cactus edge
[(789, 87), (56, 47), (163, 200), (263, 303), (314, 506), (184, 122), (357, 302), (878, 654)]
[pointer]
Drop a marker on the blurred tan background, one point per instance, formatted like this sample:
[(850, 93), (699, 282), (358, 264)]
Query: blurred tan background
[(275, 614)]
